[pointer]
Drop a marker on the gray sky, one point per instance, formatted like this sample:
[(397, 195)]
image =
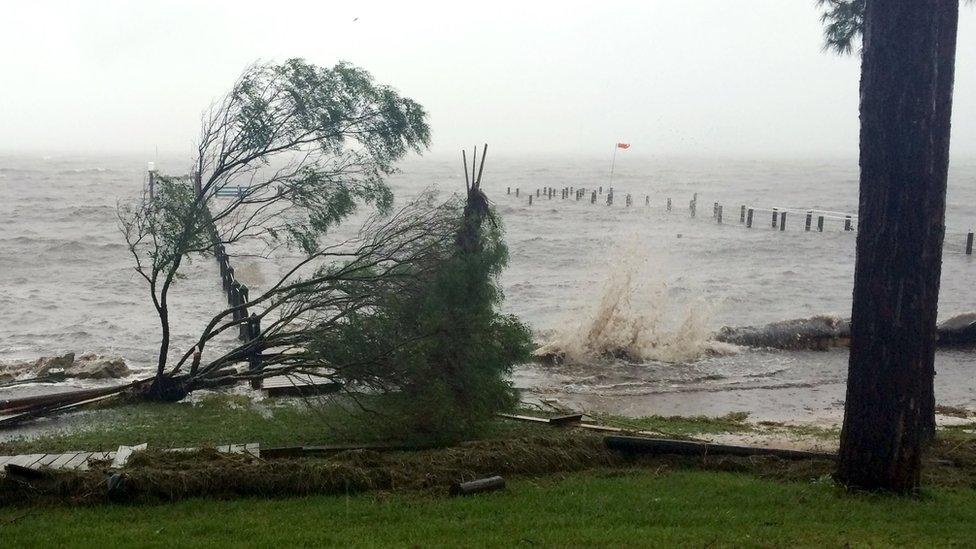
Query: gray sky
[(687, 77)]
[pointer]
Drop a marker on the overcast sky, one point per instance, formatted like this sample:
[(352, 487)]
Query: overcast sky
[(687, 77)]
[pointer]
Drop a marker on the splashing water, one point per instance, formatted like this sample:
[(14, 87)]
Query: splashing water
[(635, 319)]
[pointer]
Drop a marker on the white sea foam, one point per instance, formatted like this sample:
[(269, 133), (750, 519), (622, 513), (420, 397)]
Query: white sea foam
[(635, 317)]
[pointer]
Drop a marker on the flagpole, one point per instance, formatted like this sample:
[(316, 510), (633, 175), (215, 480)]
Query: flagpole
[(613, 161)]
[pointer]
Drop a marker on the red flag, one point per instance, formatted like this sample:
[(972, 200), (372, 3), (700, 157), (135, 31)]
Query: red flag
[(623, 145)]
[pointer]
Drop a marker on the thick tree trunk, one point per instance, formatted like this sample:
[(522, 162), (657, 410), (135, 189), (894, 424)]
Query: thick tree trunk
[(906, 102)]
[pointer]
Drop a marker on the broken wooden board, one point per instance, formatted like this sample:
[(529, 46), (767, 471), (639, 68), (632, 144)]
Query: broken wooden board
[(299, 385), (80, 460)]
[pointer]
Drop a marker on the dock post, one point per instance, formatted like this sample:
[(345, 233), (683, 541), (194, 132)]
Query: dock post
[(809, 221), (691, 206), (601, 189), (647, 200), (775, 217), (530, 200), (820, 219), (234, 299), (718, 215), (782, 221), (537, 193), (714, 210), (669, 204), (242, 295), (516, 192), (847, 223), (969, 243), (508, 190), (749, 219), (742, 214), (253, 326)]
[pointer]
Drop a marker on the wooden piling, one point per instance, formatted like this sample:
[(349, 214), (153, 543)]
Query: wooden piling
[(243, 296), (714, 210), (692, 206), (749, 219), (508, 190), (593, 198), (647, 200), (530, 200), (669, 204), (516, 192), (809, 221), (254, 359), (601, 189), (718, 215), (742, 214), (775, 217), (847, 223), (969, 243), (782, 221), (820, 220)]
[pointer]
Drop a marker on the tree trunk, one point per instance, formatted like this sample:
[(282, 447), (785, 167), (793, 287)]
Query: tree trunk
[(906, 102)]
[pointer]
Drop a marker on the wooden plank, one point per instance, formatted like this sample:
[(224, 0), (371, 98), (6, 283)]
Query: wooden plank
[(36, 462), (225, 448), (24, 460), (77, 461), (236, 449), (5, 459), (525, 418), (254, 449), (62, 459), (646, 445), (46, 460)]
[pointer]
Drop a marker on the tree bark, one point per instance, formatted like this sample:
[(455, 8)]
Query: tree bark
[(906, 102)]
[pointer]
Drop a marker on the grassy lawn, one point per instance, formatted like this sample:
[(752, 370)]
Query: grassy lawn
[(597, 508), (232, 419)]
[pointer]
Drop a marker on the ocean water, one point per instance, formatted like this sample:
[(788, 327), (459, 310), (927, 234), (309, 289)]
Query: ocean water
[(580, 274)]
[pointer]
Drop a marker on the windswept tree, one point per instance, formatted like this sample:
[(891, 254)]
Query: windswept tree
[(303, 146), (907, 72)]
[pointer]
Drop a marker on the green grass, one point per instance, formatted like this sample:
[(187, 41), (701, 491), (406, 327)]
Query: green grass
[(599, 508), (222, 419), (735, 422)]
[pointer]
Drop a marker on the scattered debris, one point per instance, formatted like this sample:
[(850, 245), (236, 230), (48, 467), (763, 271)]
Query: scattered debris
[(646, 445), (489, 484), (124, 453)]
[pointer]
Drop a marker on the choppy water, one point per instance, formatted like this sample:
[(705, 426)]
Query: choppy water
[(66, 279)]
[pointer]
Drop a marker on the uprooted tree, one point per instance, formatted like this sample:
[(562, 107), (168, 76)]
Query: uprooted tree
[(406, 307)]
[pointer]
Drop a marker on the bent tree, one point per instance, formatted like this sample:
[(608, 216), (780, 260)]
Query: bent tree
[(907, 72), (303, 145)]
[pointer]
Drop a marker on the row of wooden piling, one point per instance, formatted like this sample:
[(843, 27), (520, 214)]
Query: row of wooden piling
[(238, 296), (778, 216), (237, 293)]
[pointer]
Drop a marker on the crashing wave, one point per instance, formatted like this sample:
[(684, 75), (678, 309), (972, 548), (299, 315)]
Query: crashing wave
[(634, 320)]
